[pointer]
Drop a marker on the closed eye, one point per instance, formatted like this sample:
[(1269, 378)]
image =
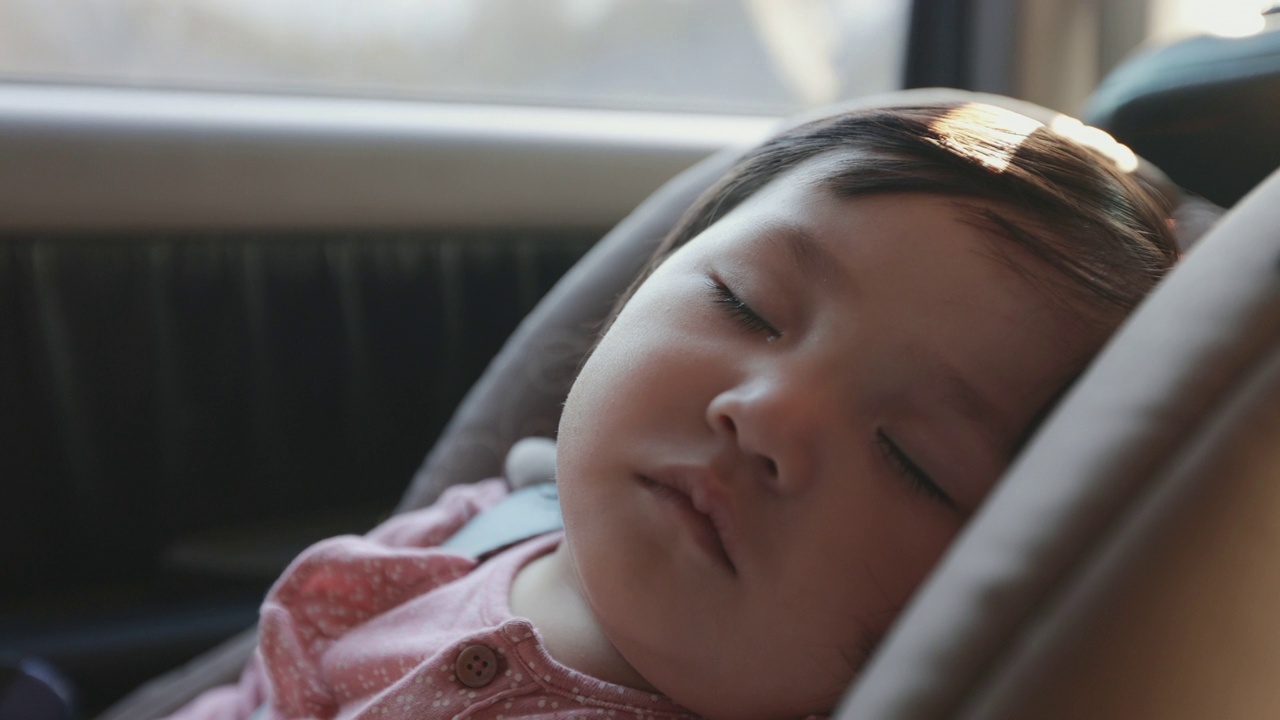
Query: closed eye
[(905, 467), (749, 319)]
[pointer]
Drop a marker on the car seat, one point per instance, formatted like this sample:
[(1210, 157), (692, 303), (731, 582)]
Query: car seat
[(1123, 568)]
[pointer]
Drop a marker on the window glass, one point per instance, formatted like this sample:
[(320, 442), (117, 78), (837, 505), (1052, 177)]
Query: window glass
[(754, 56), (1173, 19)]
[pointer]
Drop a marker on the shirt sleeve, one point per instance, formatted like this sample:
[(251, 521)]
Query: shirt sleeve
[(334, 585)]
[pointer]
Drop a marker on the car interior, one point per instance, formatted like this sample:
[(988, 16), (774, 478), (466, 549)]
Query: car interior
[(232, 323)]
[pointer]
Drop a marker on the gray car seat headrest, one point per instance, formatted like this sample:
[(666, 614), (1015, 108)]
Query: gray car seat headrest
[(1125, 566)]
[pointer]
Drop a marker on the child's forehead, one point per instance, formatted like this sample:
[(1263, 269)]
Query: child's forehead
[(805, 186), (812, 184), (804, 203)]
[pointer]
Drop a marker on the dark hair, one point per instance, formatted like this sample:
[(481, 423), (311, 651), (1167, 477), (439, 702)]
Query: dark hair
[(1101, 227)]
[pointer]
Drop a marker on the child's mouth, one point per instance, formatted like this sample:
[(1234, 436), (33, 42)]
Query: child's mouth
[(707, 532)]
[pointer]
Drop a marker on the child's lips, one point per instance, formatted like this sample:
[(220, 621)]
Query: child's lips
[(700, 495)]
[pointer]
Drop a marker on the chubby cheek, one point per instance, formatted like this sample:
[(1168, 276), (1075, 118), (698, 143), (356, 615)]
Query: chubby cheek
[(632, 398), (850, 563), (647, 375)]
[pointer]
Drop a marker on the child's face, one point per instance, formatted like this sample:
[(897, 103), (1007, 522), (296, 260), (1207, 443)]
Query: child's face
[(787, 425)]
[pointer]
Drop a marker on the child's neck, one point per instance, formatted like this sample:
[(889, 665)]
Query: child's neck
[(546, 592)]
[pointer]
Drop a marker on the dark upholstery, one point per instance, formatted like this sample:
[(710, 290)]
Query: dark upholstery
[(1205, 110), (182, 413)]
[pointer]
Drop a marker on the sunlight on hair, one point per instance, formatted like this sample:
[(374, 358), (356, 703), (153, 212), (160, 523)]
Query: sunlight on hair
[(1096, 139), (985, 133), (992, 135)]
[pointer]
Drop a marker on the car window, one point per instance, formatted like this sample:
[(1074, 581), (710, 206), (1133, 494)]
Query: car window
[(747, 56), (1172, 19)]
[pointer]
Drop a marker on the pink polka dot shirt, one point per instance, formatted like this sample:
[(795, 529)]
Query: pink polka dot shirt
[(388, 626)]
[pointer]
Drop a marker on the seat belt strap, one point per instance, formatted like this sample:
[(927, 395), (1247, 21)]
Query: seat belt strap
[(525, 513)]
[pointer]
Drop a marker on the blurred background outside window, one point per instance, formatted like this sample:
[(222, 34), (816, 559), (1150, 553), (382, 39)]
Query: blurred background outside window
[(1173, 19), (760, 57), (729, 56)]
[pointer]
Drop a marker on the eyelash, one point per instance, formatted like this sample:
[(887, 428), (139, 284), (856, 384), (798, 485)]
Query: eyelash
[(749, 319), (904, 466)]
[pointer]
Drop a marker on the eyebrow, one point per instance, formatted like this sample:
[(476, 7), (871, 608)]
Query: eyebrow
[(808, 255), (974, 406)]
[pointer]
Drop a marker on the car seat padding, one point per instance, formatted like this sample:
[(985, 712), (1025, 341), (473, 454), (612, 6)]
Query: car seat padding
[(1161, 386)]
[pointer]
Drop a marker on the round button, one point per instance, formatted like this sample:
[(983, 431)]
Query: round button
[(476, 666)]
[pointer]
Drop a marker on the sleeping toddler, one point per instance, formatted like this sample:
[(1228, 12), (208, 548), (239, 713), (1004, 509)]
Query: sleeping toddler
[(823, 372)]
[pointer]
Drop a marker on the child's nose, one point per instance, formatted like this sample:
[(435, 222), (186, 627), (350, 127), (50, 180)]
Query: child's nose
[(775, 426)]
